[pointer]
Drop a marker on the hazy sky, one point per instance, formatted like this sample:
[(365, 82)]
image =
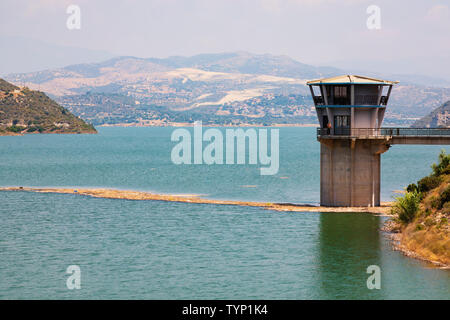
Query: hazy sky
[(414, 35)]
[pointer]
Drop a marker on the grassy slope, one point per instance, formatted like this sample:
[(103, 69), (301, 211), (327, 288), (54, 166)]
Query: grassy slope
[(27, 111), (428, 233)]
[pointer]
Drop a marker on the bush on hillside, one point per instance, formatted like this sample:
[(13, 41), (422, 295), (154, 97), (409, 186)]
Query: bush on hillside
[(446, 208), (407, 207), (15, 129), (428, 183), (444, 198), (443, 167), (412, 188)]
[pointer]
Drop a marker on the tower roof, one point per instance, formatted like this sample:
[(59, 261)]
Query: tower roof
[(350, 79)]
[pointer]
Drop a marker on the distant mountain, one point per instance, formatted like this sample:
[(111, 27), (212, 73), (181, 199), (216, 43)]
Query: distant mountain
[(219, 85), (233, 63), (421, 80), (406, 70), (438, 118), (244, 62), (25, 111), (20, 54), (176, 81)]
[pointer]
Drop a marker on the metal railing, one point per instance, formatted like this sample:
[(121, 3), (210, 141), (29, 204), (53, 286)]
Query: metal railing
[(380, 132)]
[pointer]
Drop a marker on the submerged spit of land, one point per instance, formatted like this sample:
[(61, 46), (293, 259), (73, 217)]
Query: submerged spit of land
[(401, 238), (384, 209)]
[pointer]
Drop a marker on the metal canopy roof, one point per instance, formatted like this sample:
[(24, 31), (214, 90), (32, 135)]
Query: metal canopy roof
[(350, 79)]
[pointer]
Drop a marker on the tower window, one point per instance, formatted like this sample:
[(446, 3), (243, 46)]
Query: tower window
[(341, 95), (340, 92), (342, 125)]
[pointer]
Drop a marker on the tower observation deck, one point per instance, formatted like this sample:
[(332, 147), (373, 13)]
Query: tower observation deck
[(350, 110)]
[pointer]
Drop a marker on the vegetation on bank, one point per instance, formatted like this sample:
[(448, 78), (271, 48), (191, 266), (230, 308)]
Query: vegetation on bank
[(421, 215), (27, 111)]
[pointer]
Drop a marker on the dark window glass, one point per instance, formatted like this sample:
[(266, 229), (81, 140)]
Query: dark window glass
[(341, 95), (325, 122), (340, 92), (342, 125)]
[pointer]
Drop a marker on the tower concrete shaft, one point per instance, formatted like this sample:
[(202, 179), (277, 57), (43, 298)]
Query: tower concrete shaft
[(350, 171)]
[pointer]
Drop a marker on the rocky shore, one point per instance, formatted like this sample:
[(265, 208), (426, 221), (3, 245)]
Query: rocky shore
[(393, 231)]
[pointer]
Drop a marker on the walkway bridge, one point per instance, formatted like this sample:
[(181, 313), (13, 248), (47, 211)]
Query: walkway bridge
[(433, 136)]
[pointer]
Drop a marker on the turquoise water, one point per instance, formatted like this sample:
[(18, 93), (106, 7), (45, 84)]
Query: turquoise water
[(157, 250)]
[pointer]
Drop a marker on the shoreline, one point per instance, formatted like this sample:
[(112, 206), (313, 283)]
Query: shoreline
[(394, 235), (10, 134), (106, 193)]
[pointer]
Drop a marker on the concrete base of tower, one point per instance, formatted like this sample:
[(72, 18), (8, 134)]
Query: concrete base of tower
[(350, 171)]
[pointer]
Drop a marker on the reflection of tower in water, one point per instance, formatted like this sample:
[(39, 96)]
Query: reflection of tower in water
[(349, 243)]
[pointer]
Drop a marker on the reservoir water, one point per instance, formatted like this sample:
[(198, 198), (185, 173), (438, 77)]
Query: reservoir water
[(161, 250)]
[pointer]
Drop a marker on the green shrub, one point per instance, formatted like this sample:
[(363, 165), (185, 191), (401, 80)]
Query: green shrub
[(435, 202), (429, 222), (412, 188), (15, 129), (444, 198), (443, 167), (407, 207), (419, 227), (446, 208), (427, 183)]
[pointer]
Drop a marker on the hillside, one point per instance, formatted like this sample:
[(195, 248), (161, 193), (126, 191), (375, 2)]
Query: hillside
[(219, 88), (422, 215), (438, 118), (26, 111)]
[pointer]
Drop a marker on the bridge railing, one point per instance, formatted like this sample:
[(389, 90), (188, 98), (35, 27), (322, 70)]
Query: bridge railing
[(380, 132)]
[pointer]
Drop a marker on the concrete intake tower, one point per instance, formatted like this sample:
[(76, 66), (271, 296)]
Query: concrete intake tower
[(350, 110)]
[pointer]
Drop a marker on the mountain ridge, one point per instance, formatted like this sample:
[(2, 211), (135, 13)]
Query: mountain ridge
[(230, 83)]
